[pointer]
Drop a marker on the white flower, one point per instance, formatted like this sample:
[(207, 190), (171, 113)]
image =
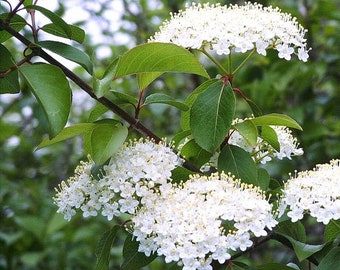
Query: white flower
[(235, 28), (316, 191), (263, 151), (187, 223), (135, 172)]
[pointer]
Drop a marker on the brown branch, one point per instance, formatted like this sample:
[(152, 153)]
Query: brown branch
[(135, 123)]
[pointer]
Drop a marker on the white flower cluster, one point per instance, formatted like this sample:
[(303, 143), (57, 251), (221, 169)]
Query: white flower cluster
[(235, 28), (134, 172), (316, 191), (263, 151), (202, 220)]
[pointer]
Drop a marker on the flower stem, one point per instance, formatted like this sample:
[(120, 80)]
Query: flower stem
[(215, 61), (243, 62)]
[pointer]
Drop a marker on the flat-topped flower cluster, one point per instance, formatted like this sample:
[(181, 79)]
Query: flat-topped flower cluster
[(234, 28)]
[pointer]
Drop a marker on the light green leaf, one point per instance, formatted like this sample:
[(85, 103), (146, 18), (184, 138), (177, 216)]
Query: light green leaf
[(69, 52), (33, 224), (159, 57), (144, 79), (331, 261), (98, 110), (185, 118), (332, 230), (121, 98), (17, 23), (67, 133), (132, 258), (248, 130), (237, 161), (54, 19), (10, 83), (105, 140), (211, 115), (55, 223), (104, 248), (270, 136), (276, 119), (50, 86), (165, 99), (77, 34), (101, 86)]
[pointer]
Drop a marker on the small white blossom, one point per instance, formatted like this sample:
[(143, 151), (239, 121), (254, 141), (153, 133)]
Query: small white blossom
[(316, 191), (187, 223), (234, 28)]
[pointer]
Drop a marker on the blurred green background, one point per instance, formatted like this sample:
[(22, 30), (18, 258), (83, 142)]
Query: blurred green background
[(33, 236)]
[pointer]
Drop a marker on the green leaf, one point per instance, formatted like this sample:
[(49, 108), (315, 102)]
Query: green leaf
[(105, 140), (295, 230), (195, 154), (185, 118), (165, 99), (121, 98), (10, 83), (101, 86), (253, 106), (50, 86), (270, 136), (211, 115), (180, 137), (263, 178), (144, 79), (55, 223), (331, 261), (33, 224), (69, 52), (98, 110), (237, 161), (276, 266), (332, 230), (248, 130), (133, 259), (302, 250), (67, 133), (159, 57), (17, 23), (54, 19), (276, 119), (104, 248), (77, 34)]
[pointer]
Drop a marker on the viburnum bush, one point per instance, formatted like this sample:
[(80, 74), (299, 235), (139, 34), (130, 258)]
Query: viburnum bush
[(203, 198)]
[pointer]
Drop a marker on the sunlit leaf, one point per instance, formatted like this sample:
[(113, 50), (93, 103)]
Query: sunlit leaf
[(165, 99), (276, 119), (144, 79), (77, 34), (159, 57), (248, 131), (50, 86)]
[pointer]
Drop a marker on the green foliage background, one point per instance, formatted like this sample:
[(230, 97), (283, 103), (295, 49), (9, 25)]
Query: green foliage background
[(33, 236)]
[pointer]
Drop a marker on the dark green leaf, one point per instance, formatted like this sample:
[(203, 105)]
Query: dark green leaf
[(144, 79), (10, 83), (195, 154), (331, 261), (77, 34), (54, 19), (235, 160), (211, 115), (332, 230), (248, 130), (180, 137), (302, 250), (106, 139), (104, 247), (159, 57), (165, 99), (270, 136), (263, 178), (276, 119), (17, 23), (133, 259), (69, 52), (50, 86), (295, 230), (180, 174), (185, 118), (272, 266), (67, 133)]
